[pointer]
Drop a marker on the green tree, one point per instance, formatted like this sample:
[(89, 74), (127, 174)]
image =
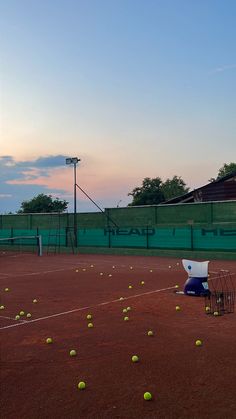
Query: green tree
[(174, 187), (43, 203), (225, 170), (154, 191), (149, 193)]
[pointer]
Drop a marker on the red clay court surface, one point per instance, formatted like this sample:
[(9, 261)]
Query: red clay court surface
[(39, 380)]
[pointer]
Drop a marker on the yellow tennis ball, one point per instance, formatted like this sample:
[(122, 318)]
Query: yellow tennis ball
[(169, 266), (142, 282), (49, 340), (121, 298), (77, 270), (130, 286), (28, 315), (90, 325), (101, 273), (151, 270), (6, 289), (81, 385), (2, 307), (124, 310), (207, 309), (89, 316), (91, 266), (135, 358), (216, 313), (128, 309), (73, 352), (35, 301), (22, 313), (17, 317), (126, 318), (113, 267), (150, 333), (147, 396), (198, 342), (131, 267), (110, 275), (177, 308), (176, 286)]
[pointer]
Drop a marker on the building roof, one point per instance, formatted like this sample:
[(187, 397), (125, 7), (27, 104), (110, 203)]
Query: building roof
[(212, 186)]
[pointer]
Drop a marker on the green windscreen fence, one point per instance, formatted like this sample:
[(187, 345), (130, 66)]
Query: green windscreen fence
[(195, 226), (188, 237)]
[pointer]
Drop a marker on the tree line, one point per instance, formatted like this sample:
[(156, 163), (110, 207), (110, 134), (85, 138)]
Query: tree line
[(152, 191)]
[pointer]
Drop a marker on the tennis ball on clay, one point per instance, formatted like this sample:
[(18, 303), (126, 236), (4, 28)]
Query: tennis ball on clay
[(49, 340), (216, 313), (28, 315), (17, 317), (142, 282), (176, 286), (177, 308), (91, 266), (101, 273), (130, 287), (35, 301), (198, 342), (151, 270), (90, 325), (110, 275), (2, 307), (126, 318), (77, 270), (113, 267), (128, 309), (177, 263), (169, 266), (135, 358), (147, 396), (89, 316), (81, 385), (73, 352), (131, 267), (207, 309), (22, 313), (121, 298), (150, 333), (6, 289), (124, 310), (84, 269)]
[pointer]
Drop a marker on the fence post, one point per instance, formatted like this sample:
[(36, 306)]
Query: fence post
[(147, 238), (191, 232)]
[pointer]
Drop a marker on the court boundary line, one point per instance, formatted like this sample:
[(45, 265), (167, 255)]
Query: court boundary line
[(63, 313)]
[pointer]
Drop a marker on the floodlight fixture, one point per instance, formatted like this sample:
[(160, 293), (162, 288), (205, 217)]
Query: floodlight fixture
[(72, 160)]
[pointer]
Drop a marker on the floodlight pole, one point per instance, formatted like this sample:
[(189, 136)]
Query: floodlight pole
[(74, 161), (75, 209)]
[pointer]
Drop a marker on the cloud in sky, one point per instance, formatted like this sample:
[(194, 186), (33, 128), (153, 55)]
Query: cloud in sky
[(223, 68), (22, 180)]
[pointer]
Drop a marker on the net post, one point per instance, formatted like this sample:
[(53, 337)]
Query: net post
[(40, 249)]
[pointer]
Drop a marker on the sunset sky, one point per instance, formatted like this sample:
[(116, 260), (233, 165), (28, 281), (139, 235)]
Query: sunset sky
[(135, 88)]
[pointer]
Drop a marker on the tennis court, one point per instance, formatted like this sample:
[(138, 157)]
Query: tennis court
[(39, 380)]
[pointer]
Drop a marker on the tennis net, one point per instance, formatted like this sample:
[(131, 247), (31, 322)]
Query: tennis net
[(21, 244)]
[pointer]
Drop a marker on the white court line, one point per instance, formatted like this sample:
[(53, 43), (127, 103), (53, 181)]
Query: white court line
[(39, 272), (11, 318), (74, 267), (85, 308)]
